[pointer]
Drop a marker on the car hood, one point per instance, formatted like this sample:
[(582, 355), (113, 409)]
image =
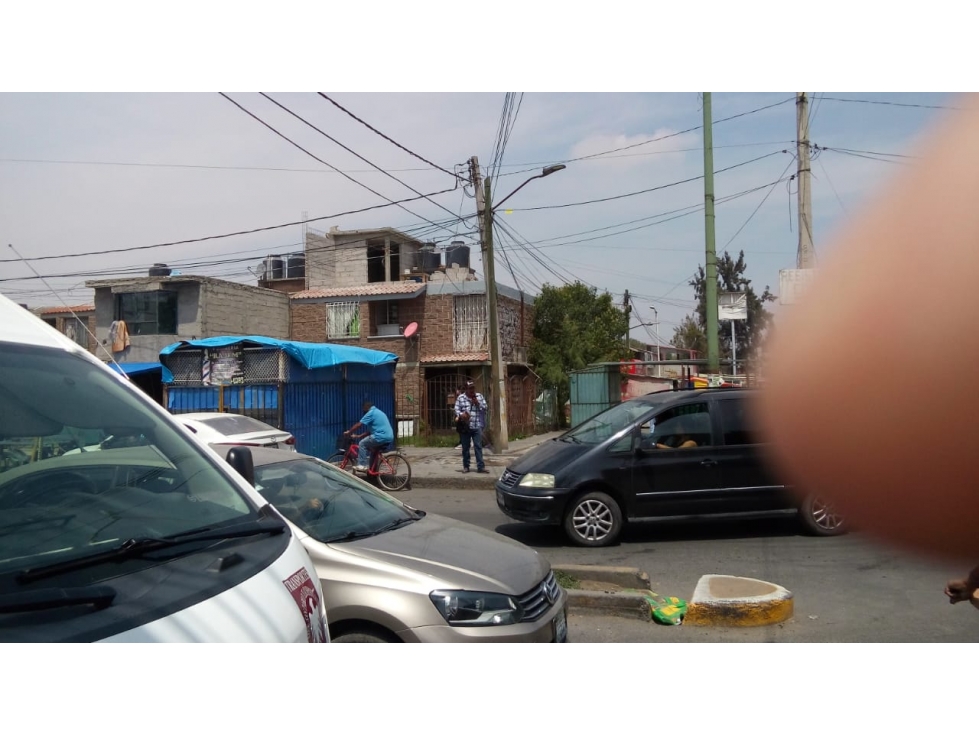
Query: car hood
[(454, 554), (550, 457)]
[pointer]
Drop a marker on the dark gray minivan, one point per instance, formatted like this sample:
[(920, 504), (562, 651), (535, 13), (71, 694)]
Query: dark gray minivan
[(676, 454)]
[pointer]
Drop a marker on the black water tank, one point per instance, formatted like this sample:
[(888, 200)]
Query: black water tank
[(431, 260), (274, 267), (297, 265), (457, 255), (159, 269)]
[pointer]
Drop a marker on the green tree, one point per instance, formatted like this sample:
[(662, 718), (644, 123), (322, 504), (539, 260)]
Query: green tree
[(690, 335), (574, 326), (730, 279)]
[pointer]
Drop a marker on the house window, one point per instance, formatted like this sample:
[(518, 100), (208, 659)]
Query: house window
[(470, 323), (75, 330), (343, 320), (151, 312), (376, 262), (385, 316)]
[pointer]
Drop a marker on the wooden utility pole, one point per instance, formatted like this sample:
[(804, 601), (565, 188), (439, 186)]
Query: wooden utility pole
[(806, 255), (713, 357), (484, 210)]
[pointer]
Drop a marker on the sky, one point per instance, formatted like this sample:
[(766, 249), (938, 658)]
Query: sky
[(82, 173)]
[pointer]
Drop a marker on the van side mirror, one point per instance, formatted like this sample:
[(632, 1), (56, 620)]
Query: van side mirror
[(240, 457)]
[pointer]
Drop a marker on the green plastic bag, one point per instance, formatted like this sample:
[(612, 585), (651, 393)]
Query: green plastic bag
[(666, 609)]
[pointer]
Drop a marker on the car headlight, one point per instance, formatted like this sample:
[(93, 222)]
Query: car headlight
[(476, 608), (540, 481)]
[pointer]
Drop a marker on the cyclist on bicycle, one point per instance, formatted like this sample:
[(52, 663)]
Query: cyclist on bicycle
[(377, 437)]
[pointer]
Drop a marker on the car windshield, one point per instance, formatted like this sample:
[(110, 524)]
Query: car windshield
[(608, 423), (233, 425), (327, 503), (86, 464)]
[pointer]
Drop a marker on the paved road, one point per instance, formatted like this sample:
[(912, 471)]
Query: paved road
[(847, 589)]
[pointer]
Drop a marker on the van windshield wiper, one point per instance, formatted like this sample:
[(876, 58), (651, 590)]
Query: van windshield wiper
[(39, 600), (136, 547)]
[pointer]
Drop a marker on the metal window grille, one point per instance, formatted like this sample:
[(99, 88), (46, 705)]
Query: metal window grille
[(342, 320), (470, 331)]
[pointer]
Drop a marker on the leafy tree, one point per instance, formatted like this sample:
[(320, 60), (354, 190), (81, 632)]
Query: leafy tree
[(574, 326), (730, 278), (690, 335)]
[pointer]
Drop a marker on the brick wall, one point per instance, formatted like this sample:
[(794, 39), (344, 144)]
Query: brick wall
[(308, 322)]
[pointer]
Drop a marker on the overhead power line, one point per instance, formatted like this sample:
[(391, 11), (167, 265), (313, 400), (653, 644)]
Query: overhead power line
[(893, 104), (646, 191), (390, 140), (317, 158), (227, 234), (354, 153)]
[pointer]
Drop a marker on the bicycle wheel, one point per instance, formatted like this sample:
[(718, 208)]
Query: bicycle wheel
[(338, 460), (393, 471)]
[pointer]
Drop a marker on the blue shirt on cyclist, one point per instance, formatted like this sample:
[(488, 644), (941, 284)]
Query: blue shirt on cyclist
[(379, 436)]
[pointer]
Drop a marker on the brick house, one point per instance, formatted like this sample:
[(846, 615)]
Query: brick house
[(75, 322), (365, 287), (160, 310)]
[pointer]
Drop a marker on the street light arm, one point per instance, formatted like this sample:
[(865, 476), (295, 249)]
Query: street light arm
[(497, 205), (545, 172)]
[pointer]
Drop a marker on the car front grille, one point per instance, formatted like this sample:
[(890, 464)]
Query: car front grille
[(537, 601), (509, 478)]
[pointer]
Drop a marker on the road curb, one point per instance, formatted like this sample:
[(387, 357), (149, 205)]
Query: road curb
[(736, 601), (625, 600)]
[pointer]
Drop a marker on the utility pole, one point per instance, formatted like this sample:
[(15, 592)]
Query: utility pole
[(626, 309), (806, 255), (484, 210), (713, 359)]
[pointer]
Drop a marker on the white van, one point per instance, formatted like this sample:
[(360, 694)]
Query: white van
[(149, 538)]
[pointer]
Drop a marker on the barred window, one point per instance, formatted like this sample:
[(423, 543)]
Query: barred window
[(470, 323), (342, 320)]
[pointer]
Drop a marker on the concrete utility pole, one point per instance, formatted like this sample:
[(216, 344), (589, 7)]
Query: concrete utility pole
[(713, 358), (484, 209), (627, 310), (806, 255)]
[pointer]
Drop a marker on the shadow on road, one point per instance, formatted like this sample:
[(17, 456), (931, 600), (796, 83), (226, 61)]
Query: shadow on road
[(661, 531)]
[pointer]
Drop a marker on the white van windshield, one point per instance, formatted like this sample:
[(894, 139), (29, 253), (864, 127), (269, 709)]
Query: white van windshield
[(86, 467)]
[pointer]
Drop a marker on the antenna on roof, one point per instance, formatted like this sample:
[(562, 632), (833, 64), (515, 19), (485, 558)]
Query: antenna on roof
[(70, 310)]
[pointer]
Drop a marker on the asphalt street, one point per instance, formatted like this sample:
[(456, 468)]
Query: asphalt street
[(847, 589)]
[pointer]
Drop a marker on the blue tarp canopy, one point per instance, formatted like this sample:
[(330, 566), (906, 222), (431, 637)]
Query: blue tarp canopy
[(135, 368), (310, 355)]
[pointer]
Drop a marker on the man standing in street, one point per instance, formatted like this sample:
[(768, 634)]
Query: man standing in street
[(379, 434), (470, 412)]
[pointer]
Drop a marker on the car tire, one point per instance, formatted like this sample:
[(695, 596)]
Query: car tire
[(593, 520), (360, 637), (819, 517)]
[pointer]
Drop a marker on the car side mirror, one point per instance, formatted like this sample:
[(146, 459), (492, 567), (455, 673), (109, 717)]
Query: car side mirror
[(240, 458)]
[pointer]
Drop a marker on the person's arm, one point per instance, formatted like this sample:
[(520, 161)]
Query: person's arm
[(482, 401), (461, 408), (964, 589)]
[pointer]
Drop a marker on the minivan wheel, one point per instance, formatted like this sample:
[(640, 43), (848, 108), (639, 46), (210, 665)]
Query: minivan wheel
[(820, 517), (594, 520), (360, 637)]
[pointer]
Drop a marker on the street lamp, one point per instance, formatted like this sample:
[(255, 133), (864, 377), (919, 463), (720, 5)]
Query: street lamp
[(498, 416), (544, 172)]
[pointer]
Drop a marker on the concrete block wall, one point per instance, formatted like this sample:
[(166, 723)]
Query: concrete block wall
[(320, 260), (351, 265), (242, 310)]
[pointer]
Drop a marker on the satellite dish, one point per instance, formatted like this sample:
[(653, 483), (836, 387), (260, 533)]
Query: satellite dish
[(411, 329)]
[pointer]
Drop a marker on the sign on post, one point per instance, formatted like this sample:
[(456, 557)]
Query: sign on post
[(732, 307)]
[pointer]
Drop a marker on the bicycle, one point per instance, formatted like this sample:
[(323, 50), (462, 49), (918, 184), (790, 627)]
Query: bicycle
[(391, 469)]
